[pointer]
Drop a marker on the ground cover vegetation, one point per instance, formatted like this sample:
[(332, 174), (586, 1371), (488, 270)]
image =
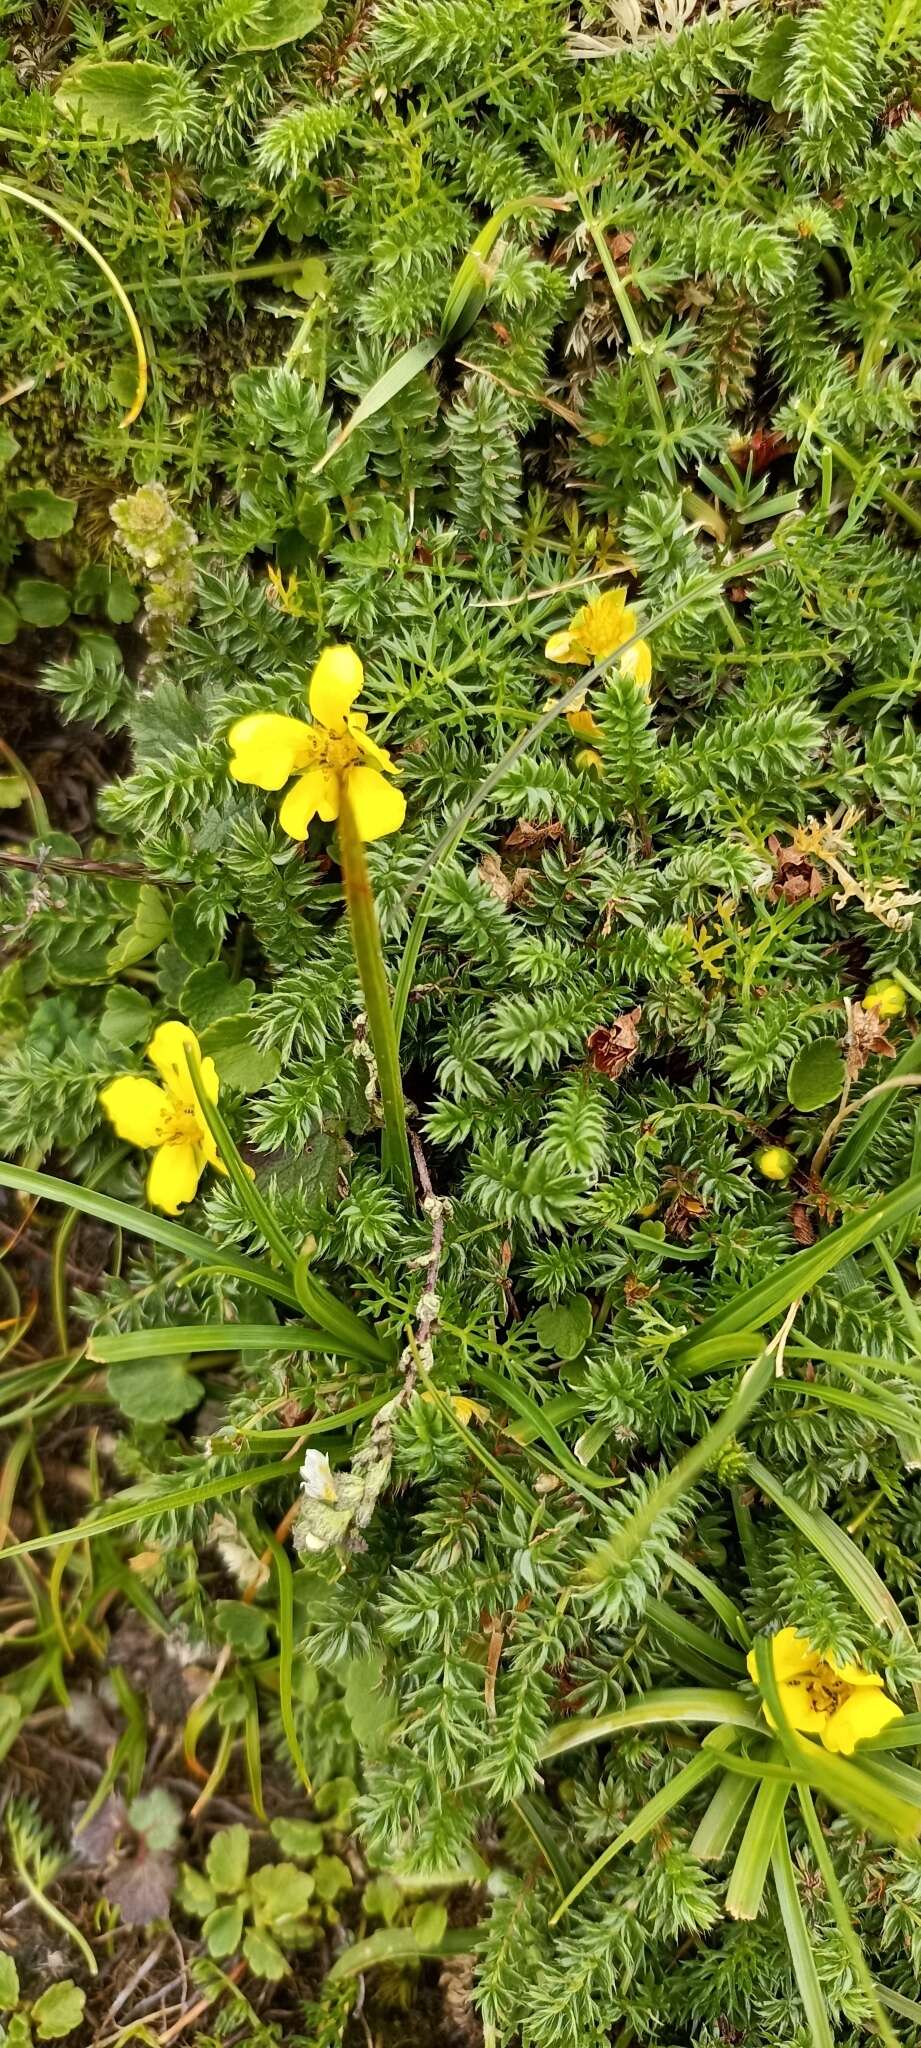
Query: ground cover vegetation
[(461, 616)]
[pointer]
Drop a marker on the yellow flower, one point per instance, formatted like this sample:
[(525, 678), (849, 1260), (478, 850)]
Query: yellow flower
[(598, 630), (168, 1119), (838, 1702), (467, 1411), (333, 752)]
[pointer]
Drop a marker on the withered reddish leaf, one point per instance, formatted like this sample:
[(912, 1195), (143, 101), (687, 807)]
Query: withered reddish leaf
[(803, 1226), (865, 1039), (611, 1047)]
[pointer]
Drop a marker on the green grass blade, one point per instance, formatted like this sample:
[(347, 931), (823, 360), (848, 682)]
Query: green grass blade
[(866, 1123), (756, 1306), (521, 1404), (679, 1705), (671, 1623), (726, 1611), (369, 959), (190, 1338), (843, 1919), (715, 1830), (797, 1933), (149, 1224), (251, 1201), (701, 1767), (748, 1877), (135, 1505), (284, 1623)]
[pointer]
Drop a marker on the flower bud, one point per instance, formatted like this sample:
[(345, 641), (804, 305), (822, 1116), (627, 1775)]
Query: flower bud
[(775, 1162), (886, 997)]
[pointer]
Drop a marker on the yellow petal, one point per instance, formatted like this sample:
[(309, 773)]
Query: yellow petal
[(138, 1109), (334, 686), (637, 662), (790, 1655), (605, 625), (167, 1052), (379, 808), (797, 1704), (379, 755), (855, 1675), (173, 1177), (561, 647), (863, 1714), (315, 794), (267, 748)]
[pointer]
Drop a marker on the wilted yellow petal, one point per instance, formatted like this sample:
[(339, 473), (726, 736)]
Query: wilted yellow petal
[(314, 795), (378, 807), (268, 748), (637, 662), (560, 647), (334, 686), (863, 1713), (584, 723), (173, 1177), (138, 1109)]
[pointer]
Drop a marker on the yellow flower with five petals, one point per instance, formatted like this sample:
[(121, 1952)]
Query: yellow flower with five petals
[(167, 1119), (597, 631), (332, 753), (840, 1703)]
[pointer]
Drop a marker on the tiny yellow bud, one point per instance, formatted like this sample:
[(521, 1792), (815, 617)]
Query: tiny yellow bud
[(589, 759), (775, 1162), (887, 998)]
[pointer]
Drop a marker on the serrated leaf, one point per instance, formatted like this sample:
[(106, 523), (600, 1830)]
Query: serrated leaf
[(302, 1839), (44, 515), (241, 1063), (281, 1893), (245, 1628), (280, 21), (157, 1816), (264, 1955), (332, 1876), (114, 96), (9, 1983), (817, 1075), (209, 995), (154, 1389), (227, 1861), (58, 2011), (565, 1329), (147, 930), (127, 1016)]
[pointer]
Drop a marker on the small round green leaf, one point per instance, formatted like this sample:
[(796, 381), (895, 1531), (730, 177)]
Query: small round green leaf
[(566, 1329), (817, 1074), (41, 603)]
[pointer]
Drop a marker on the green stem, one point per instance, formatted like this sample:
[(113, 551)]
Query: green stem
[(369, 959)]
